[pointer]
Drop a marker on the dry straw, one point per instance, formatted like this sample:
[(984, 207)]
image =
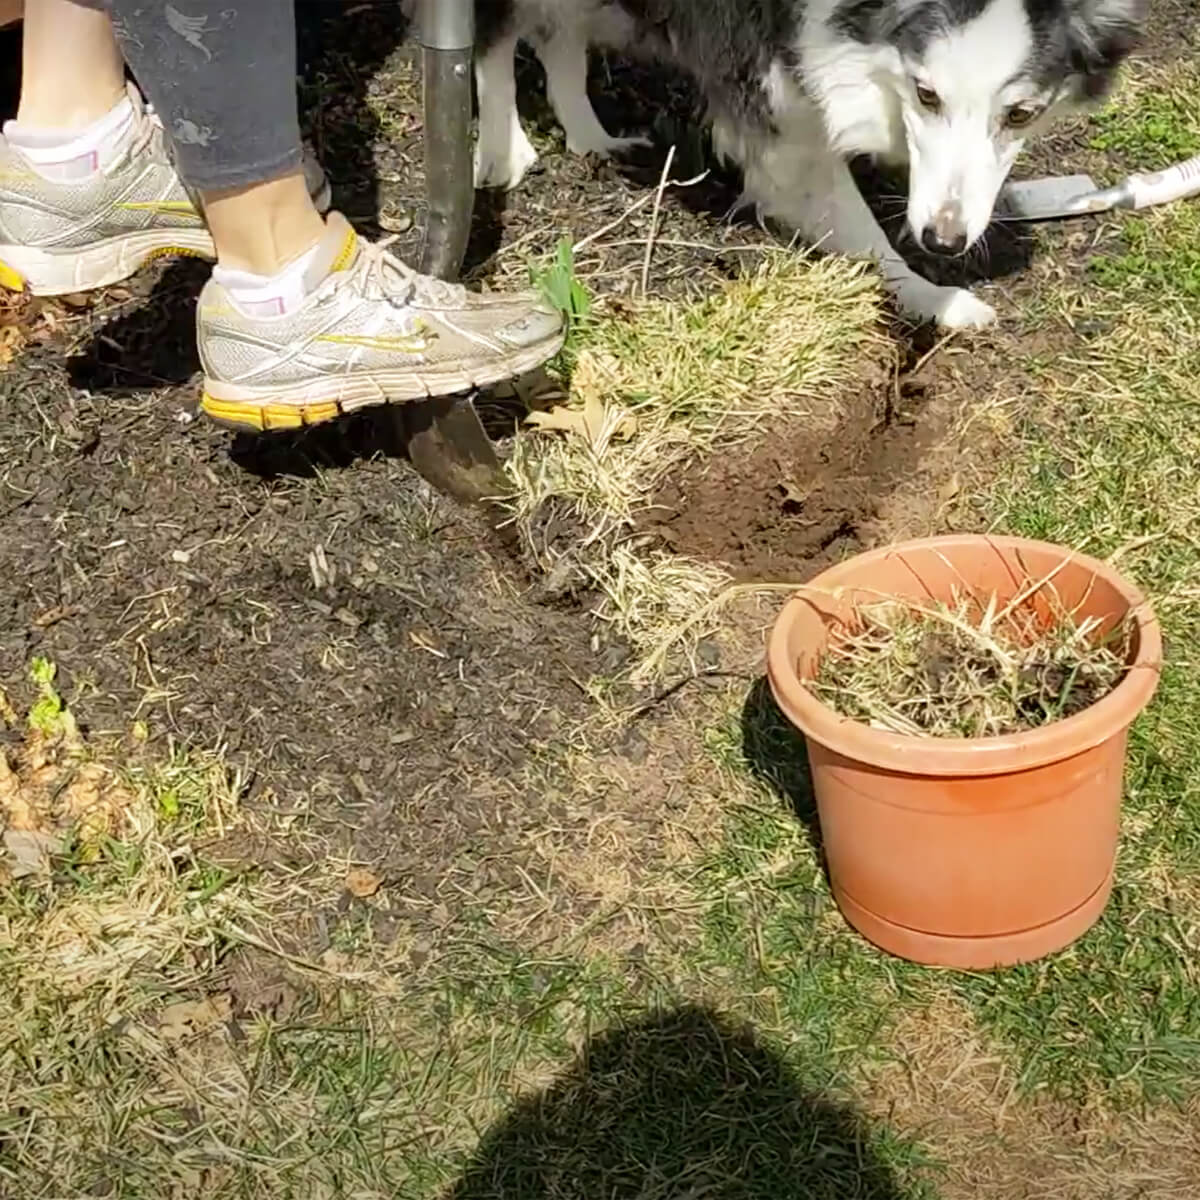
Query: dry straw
[(966, 670)]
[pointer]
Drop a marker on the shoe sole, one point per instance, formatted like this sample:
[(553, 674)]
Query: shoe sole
[(326, 399), (59, 273), (102, 264)]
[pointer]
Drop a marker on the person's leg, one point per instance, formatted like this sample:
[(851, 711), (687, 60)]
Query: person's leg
[(223, 80), (301, 321), (72, 73), (88, 189)]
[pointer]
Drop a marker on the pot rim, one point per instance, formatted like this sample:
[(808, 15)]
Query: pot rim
[(912, 755)]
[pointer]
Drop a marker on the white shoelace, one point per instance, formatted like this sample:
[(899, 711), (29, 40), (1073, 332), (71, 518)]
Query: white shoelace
[(379, 273)]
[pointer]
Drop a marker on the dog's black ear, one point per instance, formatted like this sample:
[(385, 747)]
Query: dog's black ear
[(1102, 34), (858, 20), (889, 21)]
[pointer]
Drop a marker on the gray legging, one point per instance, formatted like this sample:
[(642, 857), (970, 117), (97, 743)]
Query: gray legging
[(222, 76)]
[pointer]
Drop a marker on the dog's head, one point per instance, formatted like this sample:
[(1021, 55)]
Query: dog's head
[(974, 79)]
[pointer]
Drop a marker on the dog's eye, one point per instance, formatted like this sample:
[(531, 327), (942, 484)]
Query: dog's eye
[(1020, 115), (929, 98)]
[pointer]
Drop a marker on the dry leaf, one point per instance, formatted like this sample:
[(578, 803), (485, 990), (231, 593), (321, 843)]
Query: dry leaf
[(590, 422), (594, 374), (96, 803), (12, 340), (362, 883), (29, 852), (18, 813), (190, 1018), (82, 795), (52, 616), (564, 420)]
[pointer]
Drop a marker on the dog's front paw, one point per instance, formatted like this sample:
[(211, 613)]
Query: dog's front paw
[(502, 159), (605, 146), (950, 307), (958, 309)]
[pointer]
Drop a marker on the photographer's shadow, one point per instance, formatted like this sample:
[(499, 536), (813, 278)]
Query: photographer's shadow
[(679, 1105)]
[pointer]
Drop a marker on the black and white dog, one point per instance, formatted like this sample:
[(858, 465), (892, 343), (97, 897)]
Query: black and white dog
[(795, 88)]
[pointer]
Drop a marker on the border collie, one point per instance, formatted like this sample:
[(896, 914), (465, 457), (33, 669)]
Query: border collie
[(795, 88)]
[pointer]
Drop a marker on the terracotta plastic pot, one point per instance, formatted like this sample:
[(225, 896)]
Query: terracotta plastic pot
[(971, 853)]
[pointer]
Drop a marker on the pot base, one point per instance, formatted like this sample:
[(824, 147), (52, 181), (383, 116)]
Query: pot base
[(976, 953)]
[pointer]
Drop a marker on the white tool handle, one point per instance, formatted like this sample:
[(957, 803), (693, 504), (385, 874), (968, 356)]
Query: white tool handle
[(1161, 187)]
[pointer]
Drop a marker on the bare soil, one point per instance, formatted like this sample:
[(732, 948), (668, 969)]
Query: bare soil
[(787, 505)]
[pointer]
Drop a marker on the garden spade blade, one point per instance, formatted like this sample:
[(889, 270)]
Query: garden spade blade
[(1043, 199)]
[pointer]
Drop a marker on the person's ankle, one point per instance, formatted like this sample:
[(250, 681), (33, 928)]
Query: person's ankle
[(262, 229), (272, 254), (65, 110)]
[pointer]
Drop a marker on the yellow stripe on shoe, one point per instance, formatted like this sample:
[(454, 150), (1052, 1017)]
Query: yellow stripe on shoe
[(174, 207), (14, 281), (268, 418), (345, 256), (414, 343), (175, 252)]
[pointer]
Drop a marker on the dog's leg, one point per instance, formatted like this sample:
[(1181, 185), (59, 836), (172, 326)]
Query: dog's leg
[(564, 55), (800, 182), (502, 152)]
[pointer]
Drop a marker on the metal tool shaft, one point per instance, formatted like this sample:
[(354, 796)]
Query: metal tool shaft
[(447, 33)]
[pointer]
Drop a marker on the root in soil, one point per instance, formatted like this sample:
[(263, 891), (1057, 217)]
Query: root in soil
[(952, 670)]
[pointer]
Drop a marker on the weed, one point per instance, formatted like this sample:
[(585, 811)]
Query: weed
[(968, 669), (1154, 120), (561, 287), (46, 715)]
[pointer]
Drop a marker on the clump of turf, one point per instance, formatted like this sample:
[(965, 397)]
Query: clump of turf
[(962, 670)]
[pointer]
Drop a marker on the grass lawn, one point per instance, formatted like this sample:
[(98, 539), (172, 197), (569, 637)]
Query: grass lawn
[(186, 1013)]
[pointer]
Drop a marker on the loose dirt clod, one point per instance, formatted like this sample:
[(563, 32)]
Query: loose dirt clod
[(964, 670)]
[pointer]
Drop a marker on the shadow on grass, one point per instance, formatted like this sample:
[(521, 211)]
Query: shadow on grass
[(680, 1105), (777, 756)]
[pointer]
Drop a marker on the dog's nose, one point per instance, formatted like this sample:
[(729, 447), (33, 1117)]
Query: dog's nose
[(946, 233), (939, 242)]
